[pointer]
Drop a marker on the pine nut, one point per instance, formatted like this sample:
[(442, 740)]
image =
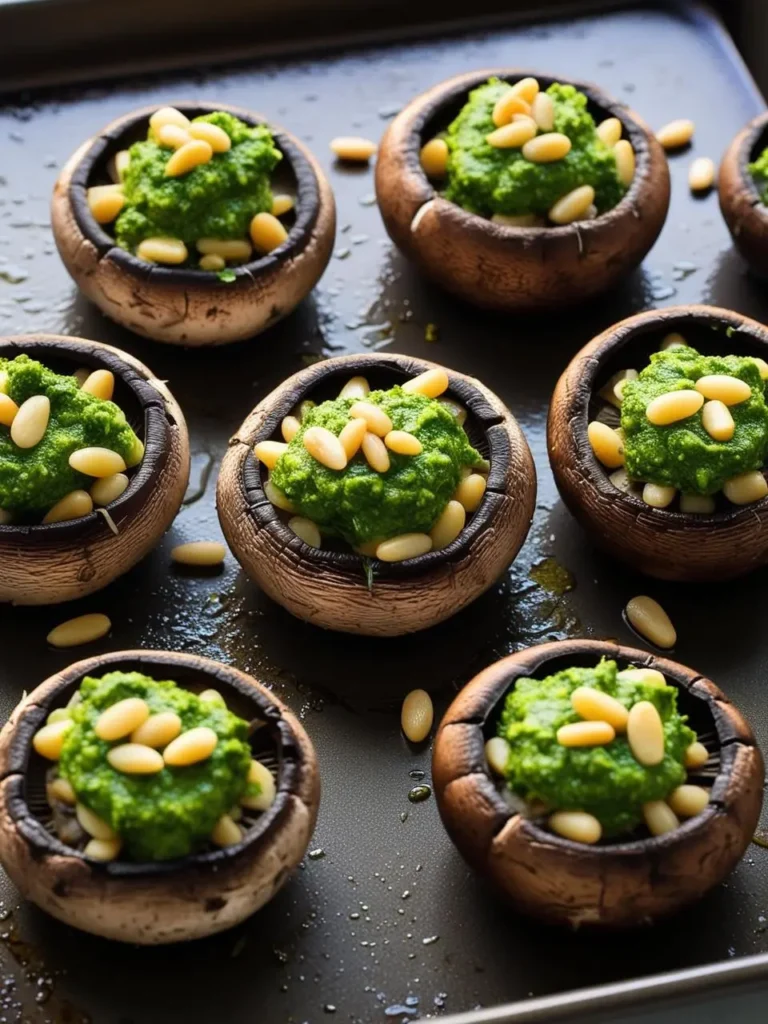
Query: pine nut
[(212, 262), (497, 754), (608, 390), (746, 488), (353, 148), (167, 115), (723, 388), (368, 548), (407, 545), (526, 88), (375, 452), (585, 734), (187, 157), (61, 789), (213, 697), (606, 444), (259, 775), (282, 204), (674, 406), (545, 149), (620, 480), (761, 364), (578, 826), (701, 175), (158, 730), (417, 715), (356, 387), (306, 530), (434, 158), (162, 250), (109, 488), (625, 161), (507, 106), (121, 719), (522, 220), (103, 849), (71, 506), (431, 383), (697, 504), (81, 630), (289, 428), (49, 740), (676, 133), (135, 759), (8, 410), (199, 552), (136, 454), (618, 390), (609, 131), (448, 526), (403, 443), (100, 384), (351, 437), (325, 447), (650, 620), (645, 733), (470, 491), (226, 832), (236, 249), (543, 111), (456, 410), (105, 202), (513, 135), (191, 747), (687, 801), (278, 498), (118, 165), (696, 755), (214, 135), (717, 420), (267, 233), (93, 824), (172, 136), (659, 817), (658, 495), (650, 676), (673, 340), (376, 419), (305, 408), (270, 452), (31, 421), (596, 706), (99, 462), (572, 206)]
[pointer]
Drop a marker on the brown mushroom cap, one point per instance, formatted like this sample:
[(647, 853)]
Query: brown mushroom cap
[(667, 544), (184, 306), (51, 563), (742, 207), (329, 588), (166, 901), (616, 884), (515, 268)]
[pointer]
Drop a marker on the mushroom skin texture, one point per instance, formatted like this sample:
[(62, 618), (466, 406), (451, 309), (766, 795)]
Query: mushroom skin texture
[(616, 885), (189, 306), (740, 204), (329, 588), (52, 563), (499, 267), (172, 901), (669, 545)]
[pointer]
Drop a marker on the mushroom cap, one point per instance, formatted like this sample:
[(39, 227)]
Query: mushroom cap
[(329, 588), (167, 901), (617, 884), (669, 545), (55, 562), (744, 211), (508, 268), (186, 306)]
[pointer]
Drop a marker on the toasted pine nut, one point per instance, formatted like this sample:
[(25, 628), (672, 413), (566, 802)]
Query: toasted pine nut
[(448, 526), (105, 202), (278, 498), (356, 387), (81, 630), (596, 706), (267, 233), (658, 495), (676, 133), (306, 530), (289, 428), (376, 419), (620, 480), (8, 410), (190, 747), (585, 734), (353, 148), (547, 148), (226, 832), (135, 759), (543, 111), (173, 136), (497, 754), (746, 488), (651, 676), (407, 545), (625, 161), (673, 340), (431, 383), (645, 733), (325, 447), (100, 462), (701, 174), (61, 789), (31, 421), (761, 364), (687, 801), (434, 158), (696, 755), (470, 491), (71, 506), (521, 220), (673, 406), (237, 249), (121, 719), (109, 488), (93, 824), (136, 454), (167, 115), (375, 452), (697, 504), (526, 88), (100, 384), (352, 435), (118, 165), (282, 204), (103, 849), (270, 452), (507, 106), (199, 552), (417, 715), (455, 409), (650, 620), (259, 775), (403, 443), (717, 420), (578, 826), (606, 444), (187, 157), (212, 262), (572, 206), (49, 740), (212, 697), (609, 131), (512, 135), (162, 250), (723, 388), (158, 730), (659, 817), (213, 134)]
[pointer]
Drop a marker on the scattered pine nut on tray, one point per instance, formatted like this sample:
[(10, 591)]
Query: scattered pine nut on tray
[(199, 552)]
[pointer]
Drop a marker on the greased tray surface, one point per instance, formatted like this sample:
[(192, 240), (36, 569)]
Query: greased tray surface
[(384, 920)]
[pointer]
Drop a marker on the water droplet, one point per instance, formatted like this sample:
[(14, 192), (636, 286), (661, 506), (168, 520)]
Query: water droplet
[(329, 1008), (430, 940), (417, 774)]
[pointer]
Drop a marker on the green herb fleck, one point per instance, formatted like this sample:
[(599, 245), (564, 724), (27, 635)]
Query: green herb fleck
[(227, 275)]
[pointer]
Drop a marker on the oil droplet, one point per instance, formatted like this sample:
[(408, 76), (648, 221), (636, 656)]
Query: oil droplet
[(404, 816), (419, 793), (552, 577)]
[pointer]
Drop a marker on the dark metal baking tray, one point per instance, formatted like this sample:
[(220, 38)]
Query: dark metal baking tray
[(384, 920)]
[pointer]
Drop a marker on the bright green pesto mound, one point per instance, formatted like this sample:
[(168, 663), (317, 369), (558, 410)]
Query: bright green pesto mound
[(361, 505), (486, 180), (34, 479), (759, 171), (214, 200), (606, 781), (169, 814), (683, 455)]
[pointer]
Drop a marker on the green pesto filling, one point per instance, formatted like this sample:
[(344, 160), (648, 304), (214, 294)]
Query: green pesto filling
[(486, 180), (682, 454), (759, 171), (605, 781), (359, 504)]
